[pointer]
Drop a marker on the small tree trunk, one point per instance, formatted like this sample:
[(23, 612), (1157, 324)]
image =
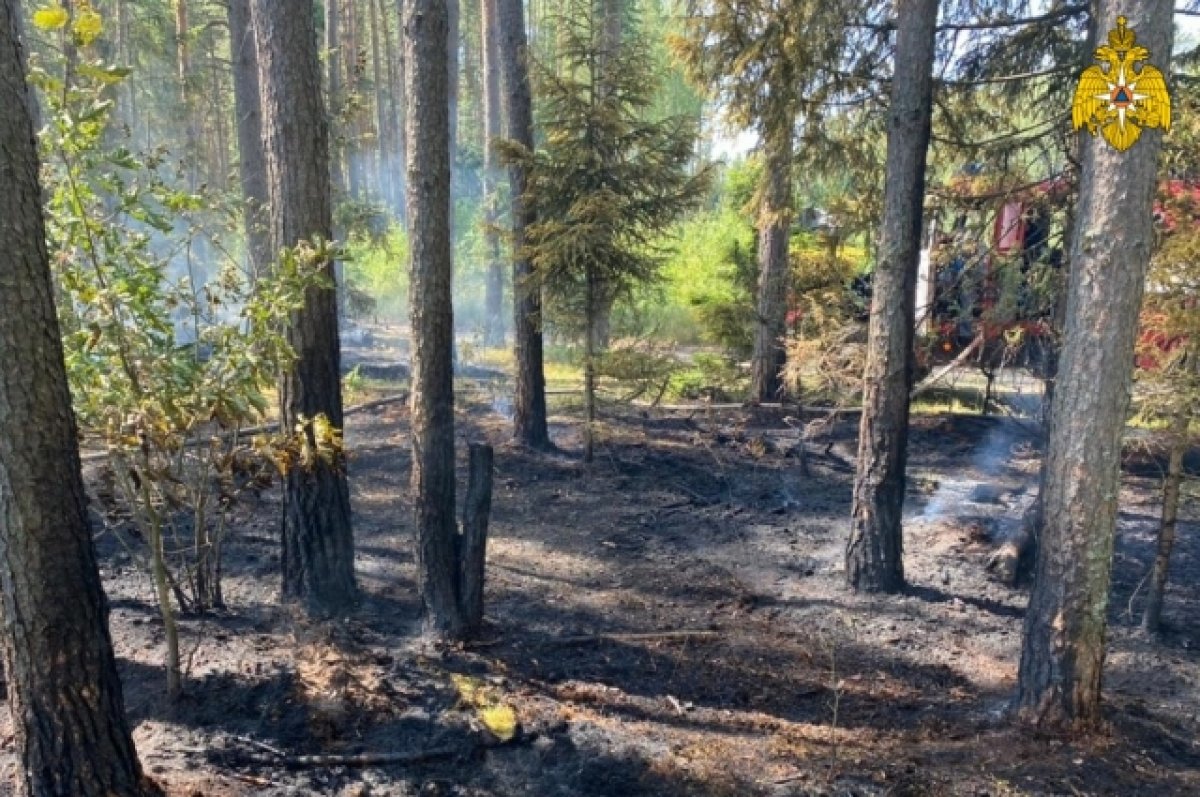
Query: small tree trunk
[(1152, 616), (333, 85), (252, 166), (63, 691), (382, 138), (395, 128), (875, 552), (318, 544), (494, 330), (472, 554), (589, 364), (1062, 658), (432, 399), (775, 220), (529, 401)]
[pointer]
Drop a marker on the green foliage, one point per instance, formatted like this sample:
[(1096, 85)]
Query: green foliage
[(605, 183), (374, 268)]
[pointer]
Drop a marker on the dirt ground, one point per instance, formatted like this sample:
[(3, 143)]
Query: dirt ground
[(687, 521)]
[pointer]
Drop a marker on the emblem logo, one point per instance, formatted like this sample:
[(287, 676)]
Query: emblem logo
[(1118, 100)]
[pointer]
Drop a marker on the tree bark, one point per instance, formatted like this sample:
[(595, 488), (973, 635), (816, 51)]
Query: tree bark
[(432, 403), (183, 72), (874, 554), (252, 165), (477, 507), (382, 133), (395, 127), (1152, 615), (775, 221), (318, 544), (529, 402), (64, 693), (1062, 659), (494, 300), (333, 84)]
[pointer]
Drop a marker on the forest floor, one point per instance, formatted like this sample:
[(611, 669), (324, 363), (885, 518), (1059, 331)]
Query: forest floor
[(686, 521)]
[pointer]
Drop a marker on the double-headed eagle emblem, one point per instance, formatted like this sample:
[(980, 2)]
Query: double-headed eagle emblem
[(1118, 100)]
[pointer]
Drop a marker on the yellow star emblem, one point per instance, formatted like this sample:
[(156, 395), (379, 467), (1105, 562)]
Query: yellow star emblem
[(1118, 100)]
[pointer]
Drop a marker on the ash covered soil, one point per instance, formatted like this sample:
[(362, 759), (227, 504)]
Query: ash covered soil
[(686, 522)]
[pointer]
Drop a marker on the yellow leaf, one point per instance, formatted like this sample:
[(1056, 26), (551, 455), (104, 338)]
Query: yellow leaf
[(501, 720), (50, 17), (88, 26)]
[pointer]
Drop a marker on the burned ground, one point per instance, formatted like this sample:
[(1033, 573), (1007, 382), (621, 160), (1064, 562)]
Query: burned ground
[(687, 522)]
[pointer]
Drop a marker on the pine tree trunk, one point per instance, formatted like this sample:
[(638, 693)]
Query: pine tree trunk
[(494, 301), (383, 147), (775, 220), (64, 693), (395, 127), (432, 403), (183, 72), (401, 85), (318, 545), (529, 404), (252, 166), (1152, 615), (611, 37), (333, 85), (1062, 659), (874, 553)]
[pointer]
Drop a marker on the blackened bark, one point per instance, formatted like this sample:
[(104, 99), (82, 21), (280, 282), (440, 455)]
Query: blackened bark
[(774, 227), (874, 554), (318, 544), (1152, 615), (494, 302), (64, 694), (252, 166), (432, 403), (1062, 659), (477, 508), (529, 401)]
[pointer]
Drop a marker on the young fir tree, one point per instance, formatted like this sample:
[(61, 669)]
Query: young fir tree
[(606, 182)]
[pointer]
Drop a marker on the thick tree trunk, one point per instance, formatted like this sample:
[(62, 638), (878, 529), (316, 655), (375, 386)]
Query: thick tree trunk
[(874, 554), (1062, 659), (252, 165), (774, 226), (1152, 615), (529, 404), (318, 545), (63, 690), (494, 300), (432, 403)]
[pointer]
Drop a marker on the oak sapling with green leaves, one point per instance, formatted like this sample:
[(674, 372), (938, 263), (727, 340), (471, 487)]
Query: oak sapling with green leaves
[(165, 366)]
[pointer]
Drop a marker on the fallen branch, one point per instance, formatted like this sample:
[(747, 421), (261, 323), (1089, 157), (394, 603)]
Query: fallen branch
[(649, 636), (279, 759), (955, 363)]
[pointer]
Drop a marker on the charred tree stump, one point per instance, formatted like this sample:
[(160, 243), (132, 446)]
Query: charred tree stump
[(1012, 562), (472, 553)]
